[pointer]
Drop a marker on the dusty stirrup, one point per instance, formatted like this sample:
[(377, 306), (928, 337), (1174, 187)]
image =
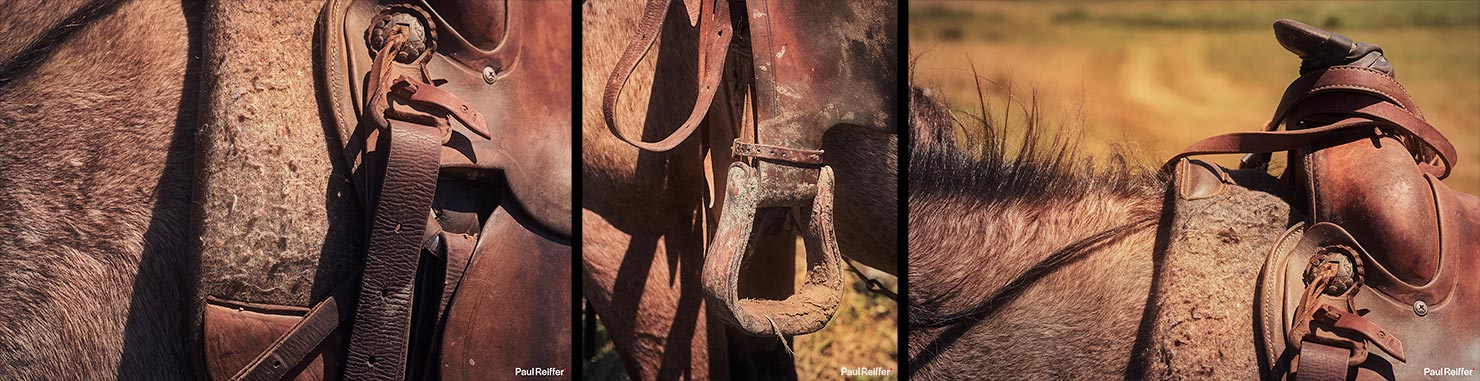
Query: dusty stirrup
[(809, 308)]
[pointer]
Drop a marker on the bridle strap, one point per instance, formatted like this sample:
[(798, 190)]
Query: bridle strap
[(715, 31)]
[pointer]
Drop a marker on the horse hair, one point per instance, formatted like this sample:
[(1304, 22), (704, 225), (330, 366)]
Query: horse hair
[(1045, 168), (983, 172), (47, 43)]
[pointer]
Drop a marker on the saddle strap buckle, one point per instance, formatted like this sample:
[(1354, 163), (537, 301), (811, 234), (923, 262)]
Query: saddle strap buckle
[(1367, 330), (809, 308)]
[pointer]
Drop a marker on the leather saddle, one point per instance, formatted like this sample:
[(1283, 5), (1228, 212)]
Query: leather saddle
[(1378, 281), (816, 64), (455, 120)]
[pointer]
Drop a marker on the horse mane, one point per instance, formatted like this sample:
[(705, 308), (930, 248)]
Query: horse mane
[(983, 171), (44, 45)]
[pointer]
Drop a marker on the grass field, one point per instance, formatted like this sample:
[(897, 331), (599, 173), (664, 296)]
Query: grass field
[(1155, 77), (863, 333)]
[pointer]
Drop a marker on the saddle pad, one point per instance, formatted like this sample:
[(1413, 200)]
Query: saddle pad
[(1221, 225), (268, 195)]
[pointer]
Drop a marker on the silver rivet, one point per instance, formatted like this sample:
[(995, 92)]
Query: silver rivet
[(488, 74), (1420, 308)]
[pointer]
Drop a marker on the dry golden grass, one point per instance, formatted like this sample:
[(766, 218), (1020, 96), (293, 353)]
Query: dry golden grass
[(863, 334), (1158, 76)]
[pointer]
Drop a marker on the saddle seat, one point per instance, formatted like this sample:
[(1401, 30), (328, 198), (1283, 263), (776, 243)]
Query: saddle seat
[(1379, 280)]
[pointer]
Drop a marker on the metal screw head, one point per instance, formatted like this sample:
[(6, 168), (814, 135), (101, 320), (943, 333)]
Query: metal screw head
[(1420, 308), (489, 74)]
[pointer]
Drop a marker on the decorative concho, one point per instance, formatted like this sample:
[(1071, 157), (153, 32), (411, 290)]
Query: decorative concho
[(1348, 269), (421, 34)]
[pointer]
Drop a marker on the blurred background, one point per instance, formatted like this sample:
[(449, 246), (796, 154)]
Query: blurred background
[(1150, 78)]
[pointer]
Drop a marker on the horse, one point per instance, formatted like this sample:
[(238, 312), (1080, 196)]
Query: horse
[(645, 217), (1136, 270), (163, 159)]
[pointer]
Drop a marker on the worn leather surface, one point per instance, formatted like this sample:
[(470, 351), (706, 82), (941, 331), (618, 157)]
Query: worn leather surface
[(1322, 363), (320, 326), (1444, 336), (818, 64), (487, 118), (811, 306), (515, 313), (528, 106), (1421, 239), (1367, 167), (236, 332), (515, 73), (381, 331)]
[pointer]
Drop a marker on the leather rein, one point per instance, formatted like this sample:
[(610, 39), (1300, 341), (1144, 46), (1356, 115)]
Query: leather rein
[(777, 168)]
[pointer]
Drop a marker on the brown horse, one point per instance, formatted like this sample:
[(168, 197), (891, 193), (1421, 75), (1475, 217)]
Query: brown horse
[(644, 213), (145, 143), (98, 108)]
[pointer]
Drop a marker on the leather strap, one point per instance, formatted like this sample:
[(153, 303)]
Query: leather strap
[(715, 30), (777, 153), (379, 340), (1366, 328), (295, 345), (1389, 115), (1266, 142), (1341, 78), (423, 93), (1377, 99), (1321, 362)]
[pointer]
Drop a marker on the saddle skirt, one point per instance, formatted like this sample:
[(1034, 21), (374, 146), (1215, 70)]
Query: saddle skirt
[(1375, 279), (456, 132)]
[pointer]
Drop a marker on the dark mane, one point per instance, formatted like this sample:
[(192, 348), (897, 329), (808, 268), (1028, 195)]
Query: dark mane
[(982, 170), (42, 47), (982, 173)]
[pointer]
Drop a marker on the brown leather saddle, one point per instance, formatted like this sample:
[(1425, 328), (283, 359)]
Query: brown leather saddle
[(456, 121), (1380, 280), (816, 65)]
